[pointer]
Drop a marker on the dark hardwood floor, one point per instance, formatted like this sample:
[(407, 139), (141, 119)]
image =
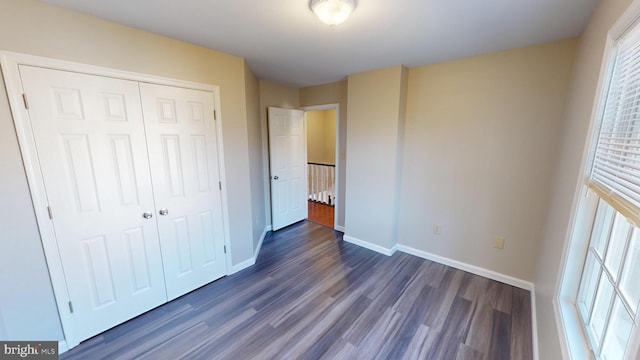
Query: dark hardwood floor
[(311, 296), (320, 213)]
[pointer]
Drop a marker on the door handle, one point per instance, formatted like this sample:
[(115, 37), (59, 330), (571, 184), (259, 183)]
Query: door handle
[(147, 215), (276, 177), (163, 212)]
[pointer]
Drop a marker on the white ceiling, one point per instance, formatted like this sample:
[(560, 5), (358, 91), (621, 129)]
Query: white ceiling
[(284, 42)]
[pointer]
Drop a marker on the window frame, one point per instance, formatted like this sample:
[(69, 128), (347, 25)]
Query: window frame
[(605, 273), (573, 339)]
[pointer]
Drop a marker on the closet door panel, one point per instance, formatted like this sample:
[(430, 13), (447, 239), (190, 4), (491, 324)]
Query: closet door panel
[(90, 140), (181, 138)]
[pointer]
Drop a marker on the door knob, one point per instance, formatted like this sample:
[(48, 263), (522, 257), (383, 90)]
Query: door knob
[(276, 177), (163, 212), (147, 215)]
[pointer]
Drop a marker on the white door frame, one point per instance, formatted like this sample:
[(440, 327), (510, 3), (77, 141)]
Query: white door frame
[(336, 106), (9, 62)]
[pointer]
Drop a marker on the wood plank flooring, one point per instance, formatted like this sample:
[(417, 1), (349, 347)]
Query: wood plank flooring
[(320, 213), (312, 296)]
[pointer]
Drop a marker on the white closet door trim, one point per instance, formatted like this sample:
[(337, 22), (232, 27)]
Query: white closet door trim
[(9, 62)]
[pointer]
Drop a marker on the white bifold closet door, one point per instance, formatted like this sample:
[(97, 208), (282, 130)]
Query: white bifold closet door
[(181, 136), (91, 145), (131, 176)]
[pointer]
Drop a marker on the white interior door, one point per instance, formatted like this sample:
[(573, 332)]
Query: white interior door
[(287, 162), (91, 147), (181, 137)]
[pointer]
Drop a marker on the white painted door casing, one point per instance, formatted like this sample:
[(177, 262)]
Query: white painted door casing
[(287, 163)]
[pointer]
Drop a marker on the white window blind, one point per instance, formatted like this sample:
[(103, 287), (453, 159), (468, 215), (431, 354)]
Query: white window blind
[(615, 172)]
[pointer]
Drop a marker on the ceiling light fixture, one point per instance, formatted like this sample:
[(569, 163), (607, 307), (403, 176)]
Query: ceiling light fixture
[(332, 12)]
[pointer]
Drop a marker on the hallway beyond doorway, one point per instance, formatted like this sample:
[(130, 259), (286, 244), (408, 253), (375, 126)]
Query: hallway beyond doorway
[(321, 213)]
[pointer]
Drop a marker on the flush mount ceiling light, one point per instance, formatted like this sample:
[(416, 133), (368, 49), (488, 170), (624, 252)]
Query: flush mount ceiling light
[(332, 12)]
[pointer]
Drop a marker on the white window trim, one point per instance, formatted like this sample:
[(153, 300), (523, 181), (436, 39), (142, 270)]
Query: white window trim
[(573, 341)]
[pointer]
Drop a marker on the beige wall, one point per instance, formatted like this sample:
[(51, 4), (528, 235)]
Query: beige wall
[(254, 135), (32, 27), (481, 140), (330, 136), (400, 151), (333, 93), (274, 95), (321, 136), (374, 146), (499, 115), (567, 172)]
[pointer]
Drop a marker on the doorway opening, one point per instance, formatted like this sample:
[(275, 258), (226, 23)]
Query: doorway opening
[(321, 131), (298, 183)]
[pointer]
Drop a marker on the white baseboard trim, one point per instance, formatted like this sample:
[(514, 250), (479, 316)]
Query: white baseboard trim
[(242, 265), (339, 228), (62, 346), (493, 275), (368, 245), (257, 250), (250, 262)]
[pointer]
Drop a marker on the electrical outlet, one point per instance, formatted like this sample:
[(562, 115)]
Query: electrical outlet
[(498, 242), (437, 229)]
